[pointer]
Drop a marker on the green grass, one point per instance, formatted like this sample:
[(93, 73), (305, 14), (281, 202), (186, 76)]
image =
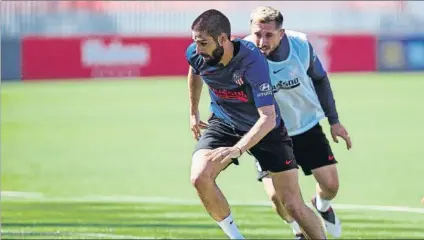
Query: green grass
[(170, 221), (132, 138)]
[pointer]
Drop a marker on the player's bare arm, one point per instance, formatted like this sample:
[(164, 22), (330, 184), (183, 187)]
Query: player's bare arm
[(195, 85), (262, 127)]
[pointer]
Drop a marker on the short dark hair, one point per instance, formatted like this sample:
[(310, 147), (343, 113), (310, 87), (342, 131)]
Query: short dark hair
[(213, 22)]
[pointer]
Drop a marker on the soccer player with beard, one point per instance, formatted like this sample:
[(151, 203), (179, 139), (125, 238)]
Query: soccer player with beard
[(244, 118)]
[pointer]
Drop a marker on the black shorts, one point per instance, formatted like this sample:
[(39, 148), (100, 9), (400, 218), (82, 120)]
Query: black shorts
[(312, 150), (274, 152)]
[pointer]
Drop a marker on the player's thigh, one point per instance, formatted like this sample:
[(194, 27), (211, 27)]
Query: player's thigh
[(312, 150), (286, 185), (215, 136)]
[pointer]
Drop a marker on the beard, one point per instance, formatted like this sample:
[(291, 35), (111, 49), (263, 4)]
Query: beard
[(266, 50), (216, 57)]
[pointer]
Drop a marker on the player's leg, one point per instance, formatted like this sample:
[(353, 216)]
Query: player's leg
[(287, 188), (318, 159), (277, 204), (204, 173), (275, 153), (327, 187)]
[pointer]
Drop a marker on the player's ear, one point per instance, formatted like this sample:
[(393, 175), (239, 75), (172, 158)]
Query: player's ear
[(222, 38), (282, 32)]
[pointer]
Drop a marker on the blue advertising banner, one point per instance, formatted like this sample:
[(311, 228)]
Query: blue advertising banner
[(10, 59), (400, 53)]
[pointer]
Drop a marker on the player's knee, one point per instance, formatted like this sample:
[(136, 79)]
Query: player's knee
[(330, 185), (294, 207), (327, 179), (274, 199), (200, 179), (201, 172), (333, 187), (293, 203)]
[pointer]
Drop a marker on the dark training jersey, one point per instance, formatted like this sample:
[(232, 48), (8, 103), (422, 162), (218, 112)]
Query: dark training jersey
[(239, 88)]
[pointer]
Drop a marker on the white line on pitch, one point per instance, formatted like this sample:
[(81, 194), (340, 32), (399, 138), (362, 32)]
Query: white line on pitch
[(167, 200)]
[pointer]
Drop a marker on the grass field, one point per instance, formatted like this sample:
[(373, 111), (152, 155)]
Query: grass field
[(110, 159)]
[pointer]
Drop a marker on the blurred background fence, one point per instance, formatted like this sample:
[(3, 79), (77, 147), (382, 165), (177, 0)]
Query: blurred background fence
[(158, 26)]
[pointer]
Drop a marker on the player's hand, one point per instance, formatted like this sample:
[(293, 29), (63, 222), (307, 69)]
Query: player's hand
[(196, 125), (337, 130), (224, 154)]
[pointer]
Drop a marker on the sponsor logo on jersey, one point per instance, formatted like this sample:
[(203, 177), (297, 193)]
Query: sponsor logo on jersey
[(290, 84), (230, 95), (264, 90)]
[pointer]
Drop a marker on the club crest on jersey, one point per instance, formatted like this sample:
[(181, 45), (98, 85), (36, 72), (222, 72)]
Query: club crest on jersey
[(237, 78)]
